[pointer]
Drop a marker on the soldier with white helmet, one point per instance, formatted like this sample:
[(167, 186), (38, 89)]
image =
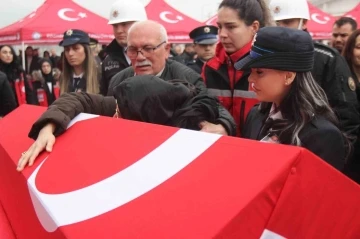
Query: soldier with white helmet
[(123, 14), (330, 71)]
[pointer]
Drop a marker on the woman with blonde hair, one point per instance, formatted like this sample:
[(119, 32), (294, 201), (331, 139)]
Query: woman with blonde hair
[(79, 73)]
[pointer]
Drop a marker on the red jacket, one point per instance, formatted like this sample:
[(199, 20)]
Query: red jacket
[(229, 85)]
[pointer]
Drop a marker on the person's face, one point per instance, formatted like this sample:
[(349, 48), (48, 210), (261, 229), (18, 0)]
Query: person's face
[(340, 36), (190, 49), (53, 52), (29, 52), (6, 55), (233, 32), (149, 61), (205, 52), (270, 85), (291, 23), (120, 32), (46, 68), (75, 54), (356, 54)]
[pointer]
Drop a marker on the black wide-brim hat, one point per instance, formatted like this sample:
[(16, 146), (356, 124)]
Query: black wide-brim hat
[(280, 48), (74, 36)]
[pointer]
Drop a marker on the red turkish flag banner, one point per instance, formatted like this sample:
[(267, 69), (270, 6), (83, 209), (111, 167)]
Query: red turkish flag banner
[(115, 178)]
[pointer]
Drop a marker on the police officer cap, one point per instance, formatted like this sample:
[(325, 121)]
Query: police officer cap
[(93, 41), (204, 35), (280, 48), (74, 36)]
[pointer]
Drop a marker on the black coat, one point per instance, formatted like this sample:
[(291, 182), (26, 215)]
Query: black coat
[(114, 62), (176, 71), (141, 98), (319, 136), (196, 65), (332, 73), (7, 98)]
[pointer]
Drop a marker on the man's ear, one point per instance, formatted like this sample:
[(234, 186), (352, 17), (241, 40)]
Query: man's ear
[(304, 26), (167, 49)]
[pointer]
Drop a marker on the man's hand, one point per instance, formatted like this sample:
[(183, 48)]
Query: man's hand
[(212, 128)]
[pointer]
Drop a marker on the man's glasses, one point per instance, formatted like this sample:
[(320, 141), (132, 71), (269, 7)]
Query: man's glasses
[(146, 51)]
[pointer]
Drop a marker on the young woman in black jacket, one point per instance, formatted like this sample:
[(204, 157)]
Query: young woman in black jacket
[(294, 109)]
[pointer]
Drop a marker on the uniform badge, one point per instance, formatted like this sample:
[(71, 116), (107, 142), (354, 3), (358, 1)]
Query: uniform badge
[(115, 13), (351, 84), (69, 32), (277, 10), (206, 29)]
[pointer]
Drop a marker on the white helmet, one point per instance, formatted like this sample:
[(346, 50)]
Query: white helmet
[(127, 11), (286, 9)]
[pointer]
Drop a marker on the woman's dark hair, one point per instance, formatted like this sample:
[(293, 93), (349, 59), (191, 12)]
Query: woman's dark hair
[(16, 60), (305, 100), (250, 11), (13, 69), (348, 51), (46, 54)]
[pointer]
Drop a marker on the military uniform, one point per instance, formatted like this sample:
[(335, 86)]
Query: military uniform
[(332, 73), (204, 35)]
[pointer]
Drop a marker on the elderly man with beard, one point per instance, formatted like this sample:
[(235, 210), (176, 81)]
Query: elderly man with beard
[(148, 50)]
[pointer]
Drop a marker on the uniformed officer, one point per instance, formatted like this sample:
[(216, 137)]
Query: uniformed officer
[(205, 39), (330, 70), (122, 15)]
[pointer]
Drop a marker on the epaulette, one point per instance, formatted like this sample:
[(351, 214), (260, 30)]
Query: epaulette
[(326, 50)]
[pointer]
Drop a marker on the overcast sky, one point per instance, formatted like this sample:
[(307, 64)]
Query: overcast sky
[(13, 10)]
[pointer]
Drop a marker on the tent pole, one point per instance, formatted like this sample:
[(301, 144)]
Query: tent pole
[(23, 54)]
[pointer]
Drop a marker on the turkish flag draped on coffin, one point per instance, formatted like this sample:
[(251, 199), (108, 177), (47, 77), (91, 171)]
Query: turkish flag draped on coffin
[(115, 178)]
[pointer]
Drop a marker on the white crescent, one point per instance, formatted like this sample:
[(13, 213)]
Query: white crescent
[(164, 17), (139, 178), (315, 17), (61, 14)]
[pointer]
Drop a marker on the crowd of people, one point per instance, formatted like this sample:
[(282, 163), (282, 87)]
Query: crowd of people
[(257, 75)]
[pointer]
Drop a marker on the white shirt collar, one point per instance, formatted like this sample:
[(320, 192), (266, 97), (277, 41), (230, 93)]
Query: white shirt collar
[(275, 115), (126, 57), (79, 76)]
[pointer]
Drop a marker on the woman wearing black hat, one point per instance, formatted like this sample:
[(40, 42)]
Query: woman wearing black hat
[(294, 109), (79, 67)]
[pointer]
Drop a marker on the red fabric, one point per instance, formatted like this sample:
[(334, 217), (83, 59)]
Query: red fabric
[(42, 98), (319, 26), (177, 24), (5, 228), (56, 91), (354, 13), (20, 91), (321, 23), (293, 193), (48, 23), (234, 74), (317, 201), (36, 27)]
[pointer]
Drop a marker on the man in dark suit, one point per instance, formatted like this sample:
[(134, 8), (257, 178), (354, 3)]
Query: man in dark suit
[(205, 39)]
